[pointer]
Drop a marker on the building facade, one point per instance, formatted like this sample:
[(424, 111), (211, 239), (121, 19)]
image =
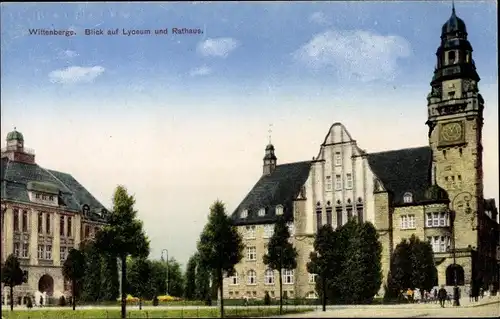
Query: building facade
[(434, 191), (44, 214)]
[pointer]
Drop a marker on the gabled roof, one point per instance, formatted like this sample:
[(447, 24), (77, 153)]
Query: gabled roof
[(16, 176), (405, 170), (281, 187)]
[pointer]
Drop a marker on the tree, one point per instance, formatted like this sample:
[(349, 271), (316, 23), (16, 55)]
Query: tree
[(220, 246), (12, 275), (361, 266), (74, 271), (190, 278), (110, 283), (281, 255), (175, 278), (158, 277), (324, 260), (139, 279), (202, 280), (92, 283), (412, 266), (123, 236)]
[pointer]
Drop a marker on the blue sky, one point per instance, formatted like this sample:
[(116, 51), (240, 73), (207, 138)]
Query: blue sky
[(173, 117)]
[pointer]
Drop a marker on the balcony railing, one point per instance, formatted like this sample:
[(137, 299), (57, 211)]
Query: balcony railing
[(26, 150)]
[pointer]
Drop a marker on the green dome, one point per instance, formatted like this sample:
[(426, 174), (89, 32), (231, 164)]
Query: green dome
[(15, 135), (436, 193), (453, 25)]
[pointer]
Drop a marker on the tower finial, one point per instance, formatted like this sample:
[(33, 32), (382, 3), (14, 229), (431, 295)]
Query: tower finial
[(270, 132), (14, 128), (453, 6)]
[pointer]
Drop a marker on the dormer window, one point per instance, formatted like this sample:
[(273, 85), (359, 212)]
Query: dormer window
[(279, 210), (262, 212), (408, 198), (244, 214), (37, 196)]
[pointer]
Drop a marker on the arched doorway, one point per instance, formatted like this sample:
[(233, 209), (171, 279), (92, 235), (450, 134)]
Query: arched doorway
[(46, 284), (450, 275)]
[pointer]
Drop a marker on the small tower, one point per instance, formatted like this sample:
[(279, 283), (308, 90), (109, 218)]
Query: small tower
[(269, 158), (15, 149)]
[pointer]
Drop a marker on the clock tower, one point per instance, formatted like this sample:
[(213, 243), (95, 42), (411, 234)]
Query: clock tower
[(455, 120)]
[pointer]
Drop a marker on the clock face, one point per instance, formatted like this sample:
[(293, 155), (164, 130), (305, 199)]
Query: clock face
[(451, 132)]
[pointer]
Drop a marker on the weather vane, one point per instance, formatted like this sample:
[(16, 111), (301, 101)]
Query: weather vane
[(270, 131)]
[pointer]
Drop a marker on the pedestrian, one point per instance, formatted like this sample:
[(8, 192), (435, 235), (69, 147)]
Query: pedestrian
[(442, 294), (435, 295), (417, 296), (481, 292), (409, 293)]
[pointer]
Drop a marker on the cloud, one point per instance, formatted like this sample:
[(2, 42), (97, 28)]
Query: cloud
[(67, 54), (364, 55), (75, 74), (219, 47), (203, 70), (319, 18)]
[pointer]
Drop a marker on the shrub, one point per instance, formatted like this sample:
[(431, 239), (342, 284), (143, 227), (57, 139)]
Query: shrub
[(62, 301), (155, 301), (267, 299)]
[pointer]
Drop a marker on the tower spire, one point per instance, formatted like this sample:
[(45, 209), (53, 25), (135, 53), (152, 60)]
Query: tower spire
[(452, 6), (270, 131)]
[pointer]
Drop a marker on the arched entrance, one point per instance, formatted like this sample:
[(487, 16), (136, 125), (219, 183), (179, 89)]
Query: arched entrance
[(46, 284), (451, 272)]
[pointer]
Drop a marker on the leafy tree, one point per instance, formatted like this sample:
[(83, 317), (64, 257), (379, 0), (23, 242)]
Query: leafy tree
[(412, 266), (158, 277), (202, 285), (110, 283), (138, 279), (175, 278), (123, 236), (220, 246), (190, 278), (74, 271), (281, 254), (361, 265), (92, 283), (12, 275), (325, 260)]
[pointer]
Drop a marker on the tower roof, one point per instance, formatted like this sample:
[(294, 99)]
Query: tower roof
[(15, 135), (436, 193), (454, 24)]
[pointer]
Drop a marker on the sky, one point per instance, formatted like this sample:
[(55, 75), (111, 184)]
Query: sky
[(183, 119)]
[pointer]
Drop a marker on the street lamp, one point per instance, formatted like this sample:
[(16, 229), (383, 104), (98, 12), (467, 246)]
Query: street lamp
[(165, 250)]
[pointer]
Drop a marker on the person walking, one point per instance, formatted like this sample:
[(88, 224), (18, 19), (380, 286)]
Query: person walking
[(442, 295), (417, 296), (435, 295)]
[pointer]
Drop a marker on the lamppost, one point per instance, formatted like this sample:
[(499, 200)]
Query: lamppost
[(165, 250), (467, 198)]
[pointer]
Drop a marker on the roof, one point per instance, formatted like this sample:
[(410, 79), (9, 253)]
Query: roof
[(15, 135), (405, 170), (18, 177), (454, 24), (281, 187), (489, 204)]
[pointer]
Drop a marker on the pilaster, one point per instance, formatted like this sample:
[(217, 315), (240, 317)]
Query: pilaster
[(8, 232)]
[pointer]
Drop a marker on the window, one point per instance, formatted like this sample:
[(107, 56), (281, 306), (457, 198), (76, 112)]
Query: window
[(339, 217), (312, 278), (25, 251), (251, 277), (312, 295), (47, 223), (62, 252), (234, 280), (87, 231), (250, 232), (349, 213), (51, 198), (244, 214), (48, 252), (41, 250), (288, 276), (360, 213), (440, 244), (319, 221), (68, 232), (291, 228), (17, 249), (407, 198), (44, 197), (25, 221), (451, 57), (338, 159), (338, 182), (328, 183), (348, 178), (329, 216), (262, 212), (61, 225), (279, 210), (269, 277), (268, 231), (37, 196), (252, 253), (16, 219), (408, 222), (442, 219), (437, 220), (40, 223)]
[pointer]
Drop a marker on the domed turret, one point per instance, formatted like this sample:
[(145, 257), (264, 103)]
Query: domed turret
[(15, 136), (269, 160), (454, 25), (436, 194)]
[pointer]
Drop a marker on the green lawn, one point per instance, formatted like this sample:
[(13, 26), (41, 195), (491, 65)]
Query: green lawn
[(156, 313)]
